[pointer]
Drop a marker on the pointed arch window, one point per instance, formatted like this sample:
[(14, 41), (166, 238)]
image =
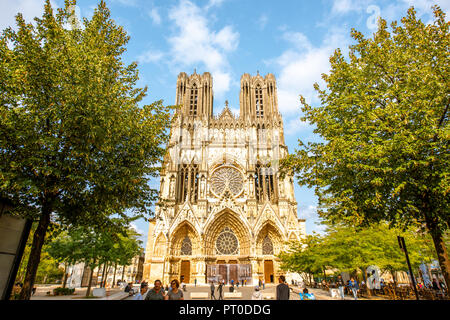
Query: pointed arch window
[(265, 180), (259, 102), (186, 247), (194, 100), (267, 246)]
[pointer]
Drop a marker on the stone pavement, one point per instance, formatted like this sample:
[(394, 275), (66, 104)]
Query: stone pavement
[(41, 293), (247, 292)]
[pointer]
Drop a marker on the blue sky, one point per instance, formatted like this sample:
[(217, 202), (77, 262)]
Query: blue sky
[(291, 39)]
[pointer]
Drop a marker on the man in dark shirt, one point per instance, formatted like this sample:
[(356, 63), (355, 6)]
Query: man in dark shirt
[(213, 288), (282, 289), (156, 293)]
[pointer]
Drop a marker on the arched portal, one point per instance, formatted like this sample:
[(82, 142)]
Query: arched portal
[(184, 245), (227, 246), (269, 242), (227, 223)]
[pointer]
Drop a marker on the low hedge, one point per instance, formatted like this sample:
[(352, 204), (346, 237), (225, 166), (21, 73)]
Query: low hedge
[(63, 291)]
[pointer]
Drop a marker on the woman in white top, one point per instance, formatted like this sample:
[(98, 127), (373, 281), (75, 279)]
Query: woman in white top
[(257, 295)]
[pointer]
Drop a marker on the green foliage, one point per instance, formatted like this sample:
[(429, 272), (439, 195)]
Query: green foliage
[(72, 133), (383, 121), (76, 145), (63, 291), (95, 247), (49, 270), (348, 249)]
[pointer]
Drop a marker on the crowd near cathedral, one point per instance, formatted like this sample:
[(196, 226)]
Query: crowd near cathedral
[(224, 211)]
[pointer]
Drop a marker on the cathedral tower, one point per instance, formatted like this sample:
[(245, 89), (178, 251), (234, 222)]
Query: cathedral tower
[(225, 213)]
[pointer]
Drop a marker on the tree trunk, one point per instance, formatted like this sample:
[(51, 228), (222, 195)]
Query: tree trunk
[(91, 269), (65, 275), (324, 274), (114, 277), (441, 250), (102, 284), (364, 270), (35, 253), (108, 270), (123, 271)]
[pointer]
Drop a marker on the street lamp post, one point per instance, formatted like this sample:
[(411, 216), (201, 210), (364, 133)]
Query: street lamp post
[(401, 242)]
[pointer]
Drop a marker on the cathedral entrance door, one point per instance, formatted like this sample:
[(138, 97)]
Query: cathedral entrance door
[(185, 271), (223, 272), (233, 270), (268, 271)]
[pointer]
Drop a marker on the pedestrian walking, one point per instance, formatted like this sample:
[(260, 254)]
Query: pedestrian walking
[(156, 293), (142, 292), (354, 287), (264, 284), (340, 285), (220, 289), (175, 293), (257, 295), (213, 288), (282, 289), (195, 282)]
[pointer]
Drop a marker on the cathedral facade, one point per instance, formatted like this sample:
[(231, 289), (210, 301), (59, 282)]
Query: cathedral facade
[(224, 211)]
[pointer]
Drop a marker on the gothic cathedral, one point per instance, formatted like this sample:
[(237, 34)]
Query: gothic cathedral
[(224, 211)]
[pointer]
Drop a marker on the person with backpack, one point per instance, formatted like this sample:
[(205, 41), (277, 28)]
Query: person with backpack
[(353, 284)]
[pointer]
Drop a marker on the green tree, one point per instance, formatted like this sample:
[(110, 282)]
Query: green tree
[(304, 257), (75, 145), (95, 248), (383, 121), (349, 249), (49, 267)]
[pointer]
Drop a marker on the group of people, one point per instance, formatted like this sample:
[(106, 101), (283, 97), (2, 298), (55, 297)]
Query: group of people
[(159, 293), (175, 293), (352, 286)]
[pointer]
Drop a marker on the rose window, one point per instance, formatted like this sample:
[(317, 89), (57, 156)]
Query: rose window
[(267, 246), (227, 177), (186, 247), (227, 243)]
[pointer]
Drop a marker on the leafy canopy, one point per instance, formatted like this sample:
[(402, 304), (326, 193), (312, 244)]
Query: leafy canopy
[(383, 120), (73, 136)]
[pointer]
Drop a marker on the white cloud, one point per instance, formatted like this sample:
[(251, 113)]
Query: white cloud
[(393, 11), (150, 56), (302, 65), (344, 6), (262, 21), (127, 3), (28, 8), (195, 44), (155, 16), (294, 125), (136, 228), (308, 212), (214, 3)]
